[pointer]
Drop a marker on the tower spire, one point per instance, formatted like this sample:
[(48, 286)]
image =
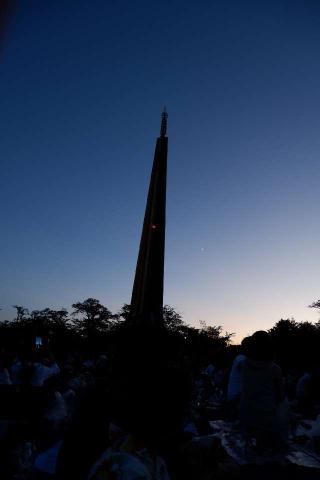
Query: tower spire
[(147, 292), (164, 121)]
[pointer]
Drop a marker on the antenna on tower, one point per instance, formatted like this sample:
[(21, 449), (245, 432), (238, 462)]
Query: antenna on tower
[(164, 117)]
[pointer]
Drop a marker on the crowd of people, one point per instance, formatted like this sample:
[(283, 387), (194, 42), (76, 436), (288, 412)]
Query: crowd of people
[(138, 412)]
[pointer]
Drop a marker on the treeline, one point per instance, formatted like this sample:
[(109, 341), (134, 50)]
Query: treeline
[(297, 344), (91, 326)]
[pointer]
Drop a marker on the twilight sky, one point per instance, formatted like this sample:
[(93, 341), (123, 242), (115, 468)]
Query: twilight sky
[(82, 88)]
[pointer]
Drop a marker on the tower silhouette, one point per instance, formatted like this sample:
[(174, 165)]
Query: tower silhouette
[(147, 292)]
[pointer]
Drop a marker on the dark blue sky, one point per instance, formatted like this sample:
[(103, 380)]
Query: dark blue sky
[(82, 87)]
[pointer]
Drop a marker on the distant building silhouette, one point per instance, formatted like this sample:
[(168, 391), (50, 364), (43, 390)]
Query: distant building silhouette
[(147, 293)]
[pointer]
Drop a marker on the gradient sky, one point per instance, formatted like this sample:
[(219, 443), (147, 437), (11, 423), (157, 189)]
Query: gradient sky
[(82, 88)]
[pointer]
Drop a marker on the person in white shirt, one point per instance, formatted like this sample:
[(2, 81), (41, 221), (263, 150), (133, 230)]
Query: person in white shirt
[(4, 374), (44, 368), (234, 384), (303, 385), (15, 371), (305, 402), (4, 377), (42, 373)]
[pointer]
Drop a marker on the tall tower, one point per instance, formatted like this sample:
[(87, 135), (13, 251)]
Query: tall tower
[(147, 293)]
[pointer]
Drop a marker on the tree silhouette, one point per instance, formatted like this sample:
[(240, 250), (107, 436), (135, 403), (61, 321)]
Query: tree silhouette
[(296, 343), (214, 332), (95, 317), (172, 319), (315, 304), (124, 312), (22, 313)]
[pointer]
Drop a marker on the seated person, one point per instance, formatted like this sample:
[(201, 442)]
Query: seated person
[(44, 368), (4, 374), (262, 391), (303, 393), (234, 384)]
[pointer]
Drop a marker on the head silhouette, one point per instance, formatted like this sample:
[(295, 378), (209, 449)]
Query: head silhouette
[(245, 345), (260, 347)]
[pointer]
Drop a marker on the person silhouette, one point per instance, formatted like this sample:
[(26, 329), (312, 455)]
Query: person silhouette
[(262, 390)]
